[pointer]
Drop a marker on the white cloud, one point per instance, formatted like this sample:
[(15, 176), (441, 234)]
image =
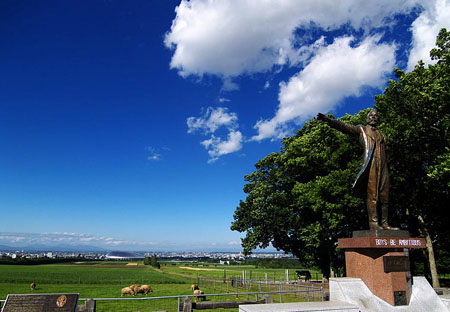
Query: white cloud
[(64, 239), (336, 71), (217, 147), (425, 29), (228, 38), (211, 120), (209, 123), (154, 153)]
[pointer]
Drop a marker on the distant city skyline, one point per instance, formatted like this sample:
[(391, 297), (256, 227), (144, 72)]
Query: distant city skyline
[(131, 125)]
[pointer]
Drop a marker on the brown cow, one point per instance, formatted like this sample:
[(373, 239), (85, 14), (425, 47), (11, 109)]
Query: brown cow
[(127, 291), (135, 288), (199, 294), (33, 286), (194, 287), (144, 289)]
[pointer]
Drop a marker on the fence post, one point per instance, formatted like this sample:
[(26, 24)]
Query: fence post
[(89, 306), (321, 292), (268, 299), (187, 304), (178, 306), (281, 289), (307, 293), (246, 290)]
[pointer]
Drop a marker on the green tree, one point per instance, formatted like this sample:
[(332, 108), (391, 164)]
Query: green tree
[(299, 200), (416, 117), (154, 262)]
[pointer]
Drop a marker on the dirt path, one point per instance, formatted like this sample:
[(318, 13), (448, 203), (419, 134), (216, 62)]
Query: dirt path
[(200, 269)]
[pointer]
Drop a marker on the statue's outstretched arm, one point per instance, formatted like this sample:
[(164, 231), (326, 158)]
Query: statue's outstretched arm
[(339, 125)]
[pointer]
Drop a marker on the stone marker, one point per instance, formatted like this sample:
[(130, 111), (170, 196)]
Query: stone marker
[(380, 259), (41, 303)]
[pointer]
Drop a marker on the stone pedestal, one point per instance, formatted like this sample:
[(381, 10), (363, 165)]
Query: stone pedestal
[(380, 259)]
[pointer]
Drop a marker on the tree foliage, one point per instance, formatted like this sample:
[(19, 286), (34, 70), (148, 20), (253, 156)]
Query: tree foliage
[(153, 261), (274, 263), (415, 109), (299, 200)]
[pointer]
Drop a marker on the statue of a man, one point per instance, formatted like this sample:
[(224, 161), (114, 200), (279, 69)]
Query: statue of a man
[(373, 179)]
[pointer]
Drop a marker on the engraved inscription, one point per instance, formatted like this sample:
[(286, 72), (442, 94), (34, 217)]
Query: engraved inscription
[(409, 242), (396, 264), (41, 303), (398, 243)]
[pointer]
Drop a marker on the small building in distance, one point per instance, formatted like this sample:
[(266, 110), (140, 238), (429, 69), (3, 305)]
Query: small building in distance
[(123, 255)]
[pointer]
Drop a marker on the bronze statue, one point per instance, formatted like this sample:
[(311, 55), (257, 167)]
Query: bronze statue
[(373, 179)]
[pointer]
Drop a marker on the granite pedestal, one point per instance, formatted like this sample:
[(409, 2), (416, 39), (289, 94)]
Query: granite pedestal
[(380, 259)]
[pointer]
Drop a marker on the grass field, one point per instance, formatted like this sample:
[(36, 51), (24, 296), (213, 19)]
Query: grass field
[(105, 280)]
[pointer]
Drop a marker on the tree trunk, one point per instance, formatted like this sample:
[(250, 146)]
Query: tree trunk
[(431, 259), (332, 273)]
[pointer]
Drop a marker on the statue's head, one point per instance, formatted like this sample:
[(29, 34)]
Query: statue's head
[(373, 118)]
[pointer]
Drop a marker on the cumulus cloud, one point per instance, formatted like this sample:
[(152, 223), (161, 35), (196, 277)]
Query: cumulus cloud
[(209, 123), (211, 120), (336, 71), (217, 147), (425, 29), (228, 38)]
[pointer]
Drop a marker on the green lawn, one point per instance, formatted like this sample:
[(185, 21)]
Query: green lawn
[(105, 280)]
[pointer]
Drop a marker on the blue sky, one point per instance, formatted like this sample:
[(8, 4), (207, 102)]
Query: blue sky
[(131, 124)]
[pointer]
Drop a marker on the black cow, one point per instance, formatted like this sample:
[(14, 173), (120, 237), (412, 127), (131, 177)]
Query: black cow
[(303, 275)]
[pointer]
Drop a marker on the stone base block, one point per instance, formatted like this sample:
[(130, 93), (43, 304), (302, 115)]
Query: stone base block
[(354, 291), (329, 306)]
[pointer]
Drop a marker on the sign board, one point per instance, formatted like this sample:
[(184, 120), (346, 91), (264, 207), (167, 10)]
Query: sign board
[(396, 264), (41, 303), (382, 242)]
